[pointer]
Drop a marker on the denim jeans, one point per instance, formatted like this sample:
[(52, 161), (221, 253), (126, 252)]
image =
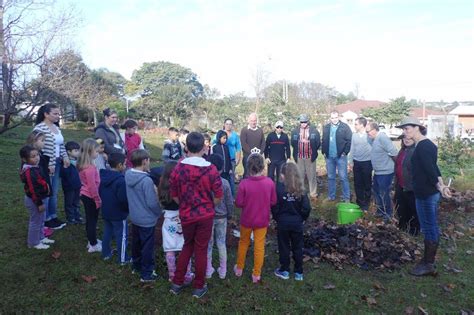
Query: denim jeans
[(52, 210), (72, 204), (382, 186), (232, 178), (143, 250), (427, 210), (341, 165), (119, 231), (219, 231)]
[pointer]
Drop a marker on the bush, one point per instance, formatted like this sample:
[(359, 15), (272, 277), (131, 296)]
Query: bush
[(453, 155)]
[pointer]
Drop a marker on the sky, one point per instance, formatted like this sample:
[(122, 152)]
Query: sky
[(383, 49)]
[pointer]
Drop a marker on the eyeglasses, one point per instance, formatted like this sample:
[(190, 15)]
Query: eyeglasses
[(303, 122), (369, 130), (279, 127)]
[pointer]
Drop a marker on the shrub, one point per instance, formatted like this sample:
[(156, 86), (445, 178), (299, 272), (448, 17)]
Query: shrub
[(453, 155)]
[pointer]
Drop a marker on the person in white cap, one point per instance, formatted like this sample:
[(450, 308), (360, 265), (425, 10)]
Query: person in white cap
[(277, 150), (306, 141)]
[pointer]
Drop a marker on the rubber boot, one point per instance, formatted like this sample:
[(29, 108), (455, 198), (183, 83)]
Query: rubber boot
[(171, 263), (222, 270), (426, 266)]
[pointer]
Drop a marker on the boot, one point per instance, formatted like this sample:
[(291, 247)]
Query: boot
[(171, 263), (426, 266), (222, 270)]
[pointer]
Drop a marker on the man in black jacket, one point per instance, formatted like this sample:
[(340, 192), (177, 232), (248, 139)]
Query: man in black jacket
[(306, 141), (277, 150), (337, 138)]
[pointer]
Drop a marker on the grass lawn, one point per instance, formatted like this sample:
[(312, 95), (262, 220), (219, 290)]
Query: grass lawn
[(68, 279)]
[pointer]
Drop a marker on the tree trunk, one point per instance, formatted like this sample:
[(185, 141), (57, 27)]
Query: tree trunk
[(95, 118)]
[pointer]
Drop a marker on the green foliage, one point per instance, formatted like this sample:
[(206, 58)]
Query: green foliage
[(391, 113), (453, 154)]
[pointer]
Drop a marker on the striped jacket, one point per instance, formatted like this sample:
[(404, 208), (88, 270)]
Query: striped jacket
[(48, 149)]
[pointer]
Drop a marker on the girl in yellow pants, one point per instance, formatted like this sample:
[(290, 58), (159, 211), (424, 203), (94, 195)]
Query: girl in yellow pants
[(255, 196)]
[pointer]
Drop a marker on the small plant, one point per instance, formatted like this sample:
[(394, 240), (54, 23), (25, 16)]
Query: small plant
[(453, 155)]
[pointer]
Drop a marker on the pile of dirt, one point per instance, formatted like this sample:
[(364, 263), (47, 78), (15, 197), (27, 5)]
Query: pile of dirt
[(461, 201), (365, 244)]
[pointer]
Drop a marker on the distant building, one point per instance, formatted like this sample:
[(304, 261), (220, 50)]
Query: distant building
[(465, 114), (350, 111)]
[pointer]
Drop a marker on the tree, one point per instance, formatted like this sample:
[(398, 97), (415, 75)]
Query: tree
[(29, 31), (391, 113), (167, 90)]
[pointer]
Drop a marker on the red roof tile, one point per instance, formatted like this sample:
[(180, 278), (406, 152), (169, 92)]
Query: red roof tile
[(357, 106), (418, 112)]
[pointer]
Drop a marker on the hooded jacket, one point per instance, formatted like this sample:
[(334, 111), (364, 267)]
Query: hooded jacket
[(103, 132), (142, 199), (290, 211), (195, 182), (343, 139), (113, 193), (222, 150), (36, 187)]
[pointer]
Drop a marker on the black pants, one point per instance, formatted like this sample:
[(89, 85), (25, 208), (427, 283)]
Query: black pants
[(275, 166), (290, 239), (92, 215), (406, 209), (72, 204), (143, 250), (244, 164), (363, 183)]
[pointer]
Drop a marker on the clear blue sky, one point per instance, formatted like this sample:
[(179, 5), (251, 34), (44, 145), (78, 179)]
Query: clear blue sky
[(419, 49)]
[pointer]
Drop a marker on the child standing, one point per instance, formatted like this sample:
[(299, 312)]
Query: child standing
[(292, 209), (132, 140), (36, 190), (172, 231), (113, 193), (224, 211), (144, 213), (72, 184), (256, 194), (172, 150), (37, 139), (101, 160), (90, 191), (222, 149), (196, 186), (207, 146)]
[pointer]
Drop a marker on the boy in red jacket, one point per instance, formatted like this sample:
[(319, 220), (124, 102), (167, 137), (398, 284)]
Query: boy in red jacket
[(196, 186)]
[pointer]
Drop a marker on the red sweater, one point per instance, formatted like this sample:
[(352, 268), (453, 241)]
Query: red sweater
[(132, 142), (195, 182), (255, 196), (90, 181)]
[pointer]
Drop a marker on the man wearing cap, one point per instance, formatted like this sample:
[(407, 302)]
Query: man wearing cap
[(383, 156), (306, 141), (252, 140), (277, 150), (337, 137)]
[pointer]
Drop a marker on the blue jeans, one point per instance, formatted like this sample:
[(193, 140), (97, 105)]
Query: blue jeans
[(119, 231), (382, 186), (427, 210), (51, 211), (341, 165), (72, 204), (143, 250), (232, 178), (219, 231)]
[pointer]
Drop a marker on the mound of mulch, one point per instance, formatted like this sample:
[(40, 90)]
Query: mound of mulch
[(365, 244)]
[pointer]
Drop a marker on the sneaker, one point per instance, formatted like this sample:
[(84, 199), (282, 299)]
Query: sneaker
[(41, 246), (55, 224), (222, 272), (176, 289), (151, 278), (98, 242), (95, 248), (298, 276), (210, 272), (47, 231), (238, 272), (199, 293), (188, 278), (285, 275), (256, 279), (47, 241)]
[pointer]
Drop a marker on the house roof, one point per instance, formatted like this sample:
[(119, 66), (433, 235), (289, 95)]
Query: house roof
[(357, 106), (463, 110), (418, 112)]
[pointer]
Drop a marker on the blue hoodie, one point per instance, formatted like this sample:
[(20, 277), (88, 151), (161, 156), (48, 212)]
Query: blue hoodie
[(112, 191), (142, 199)]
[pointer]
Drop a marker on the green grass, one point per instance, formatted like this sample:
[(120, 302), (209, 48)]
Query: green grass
[(35, 281)]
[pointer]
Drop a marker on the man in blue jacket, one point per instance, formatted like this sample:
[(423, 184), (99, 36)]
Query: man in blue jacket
[(306, 141), (337, 137), (113, 193)]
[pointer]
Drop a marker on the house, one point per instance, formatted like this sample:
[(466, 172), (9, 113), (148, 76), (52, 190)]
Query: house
[(465, 114), (350, 111), (423, 114)]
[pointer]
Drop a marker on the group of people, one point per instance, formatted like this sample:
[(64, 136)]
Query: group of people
[(195, 191)]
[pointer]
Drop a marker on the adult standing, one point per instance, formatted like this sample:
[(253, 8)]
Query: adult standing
[(306, 141), (235, 149), (404, 196), (277, 150), (383, 157), (252, 140), (109, 132), (361, 147), (427, 186), (47, 122), (337, 137)]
